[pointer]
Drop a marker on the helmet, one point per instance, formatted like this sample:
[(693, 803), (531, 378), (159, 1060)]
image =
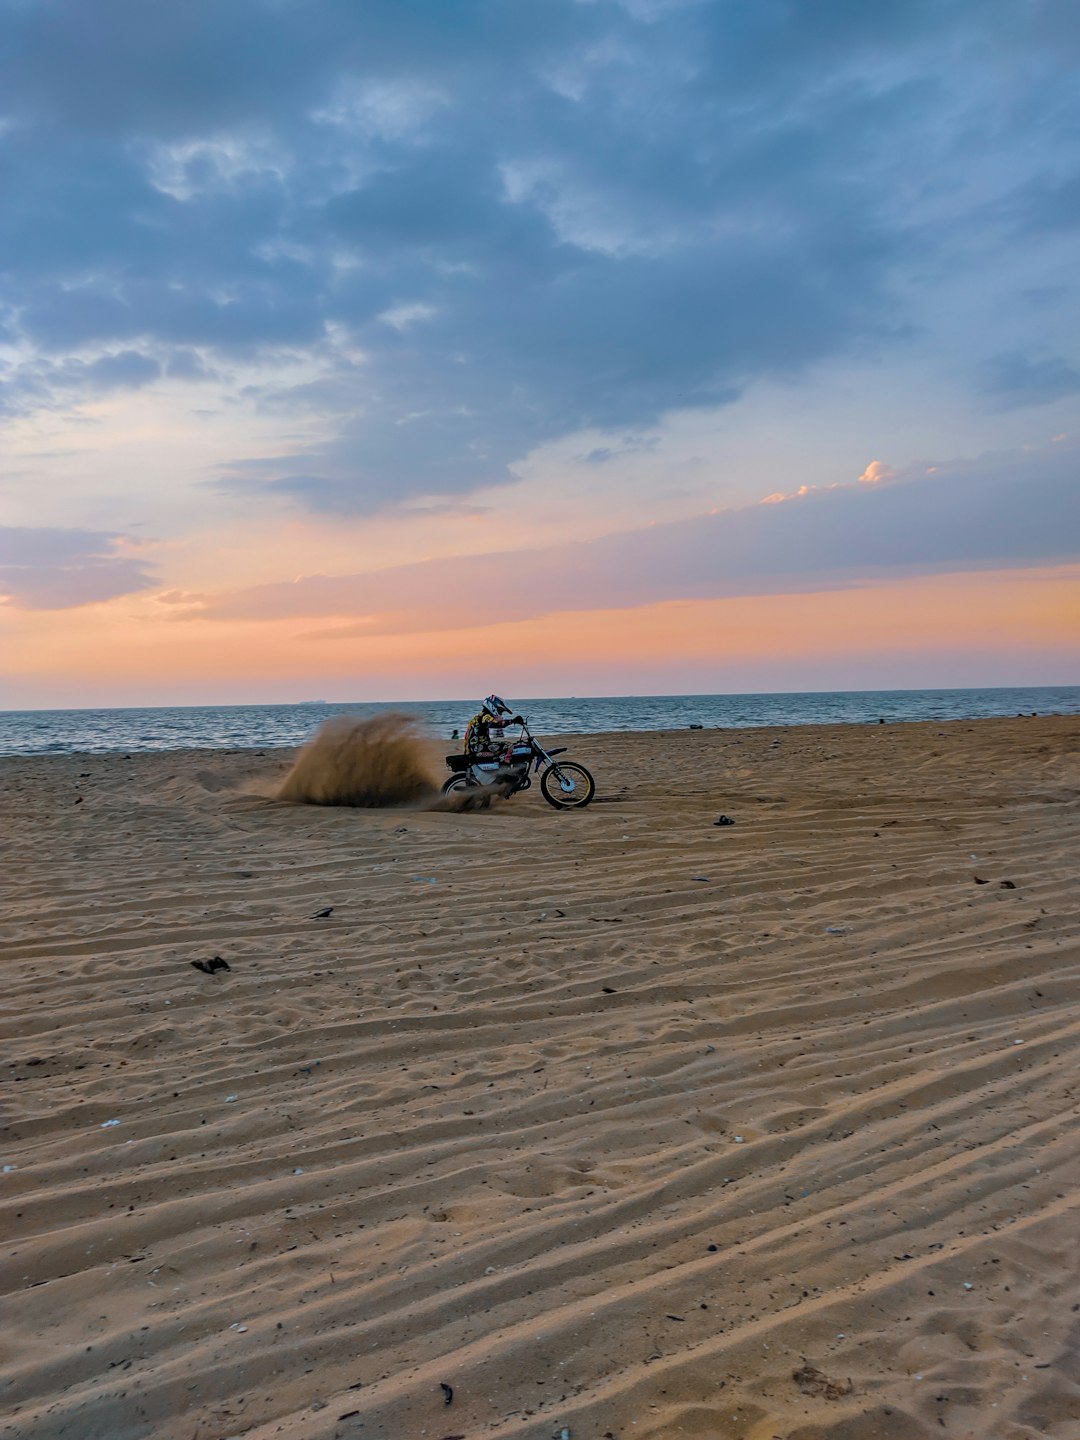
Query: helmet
[(495, 705)]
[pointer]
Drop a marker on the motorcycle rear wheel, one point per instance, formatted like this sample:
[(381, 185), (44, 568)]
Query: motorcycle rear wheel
[(567, 786), (473, 794)]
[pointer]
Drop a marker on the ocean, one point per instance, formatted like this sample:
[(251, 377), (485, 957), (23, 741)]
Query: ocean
[(247, 727)]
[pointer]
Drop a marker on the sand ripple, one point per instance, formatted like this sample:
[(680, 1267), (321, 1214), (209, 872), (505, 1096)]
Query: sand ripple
[(618, 1121)]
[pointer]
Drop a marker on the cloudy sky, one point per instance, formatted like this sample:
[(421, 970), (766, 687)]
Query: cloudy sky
[(413, 348)]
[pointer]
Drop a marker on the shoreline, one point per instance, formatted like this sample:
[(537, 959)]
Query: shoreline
[(169, 729), (609, 1121), (587, 736)]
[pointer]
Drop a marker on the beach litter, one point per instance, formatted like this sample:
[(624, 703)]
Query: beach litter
[(211, 967), (812, 1382), (723, 820), (837, 929), (448, 1392), (322, 914)]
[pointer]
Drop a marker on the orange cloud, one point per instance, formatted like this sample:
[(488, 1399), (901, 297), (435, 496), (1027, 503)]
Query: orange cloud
[(1017, 626), (995, 513), (875, 472)]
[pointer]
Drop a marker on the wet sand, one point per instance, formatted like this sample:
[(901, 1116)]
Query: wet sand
[(619, 1123)]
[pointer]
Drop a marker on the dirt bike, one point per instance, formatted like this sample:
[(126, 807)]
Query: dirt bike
[(564, 784)]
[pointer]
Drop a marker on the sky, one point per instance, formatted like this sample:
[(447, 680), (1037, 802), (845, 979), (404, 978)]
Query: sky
[(414, 349)]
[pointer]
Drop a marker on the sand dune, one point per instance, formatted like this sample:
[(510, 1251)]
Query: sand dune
[(613, 1124)]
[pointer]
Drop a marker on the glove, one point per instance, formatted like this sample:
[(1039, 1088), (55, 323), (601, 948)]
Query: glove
[(516, 720)]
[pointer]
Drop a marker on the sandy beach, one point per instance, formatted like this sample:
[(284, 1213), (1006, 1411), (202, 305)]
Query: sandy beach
[(605, 1124)]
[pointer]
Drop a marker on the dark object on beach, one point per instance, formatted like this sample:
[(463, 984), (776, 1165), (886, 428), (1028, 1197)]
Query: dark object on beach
[(211, 967), (447, 1391), (979, 881), (813, 1382), (723, 820), (322, 914), (1007, 884), (455, 735), (695, 726), (881, 722)]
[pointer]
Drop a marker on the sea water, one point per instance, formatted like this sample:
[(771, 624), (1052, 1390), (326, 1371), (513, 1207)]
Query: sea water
[(245, 727)]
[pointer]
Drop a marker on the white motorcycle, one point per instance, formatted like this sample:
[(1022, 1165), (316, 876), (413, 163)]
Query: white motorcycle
[(563, 783)]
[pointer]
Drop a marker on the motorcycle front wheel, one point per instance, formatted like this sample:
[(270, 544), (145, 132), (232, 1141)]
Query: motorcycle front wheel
[(567, 787)]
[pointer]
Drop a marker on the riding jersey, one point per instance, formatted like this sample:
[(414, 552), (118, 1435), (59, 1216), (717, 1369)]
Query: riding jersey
[(478, 737)]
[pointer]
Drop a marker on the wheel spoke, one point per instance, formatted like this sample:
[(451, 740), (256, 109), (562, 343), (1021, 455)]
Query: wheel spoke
[(567, 786)]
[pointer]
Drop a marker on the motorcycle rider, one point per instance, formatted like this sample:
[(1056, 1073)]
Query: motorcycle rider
[(494, 714)]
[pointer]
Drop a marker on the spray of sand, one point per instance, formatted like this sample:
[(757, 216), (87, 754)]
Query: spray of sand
[(374, 763)]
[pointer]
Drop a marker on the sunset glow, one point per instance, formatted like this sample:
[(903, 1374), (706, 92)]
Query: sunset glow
[(883, 636), (608, 349)]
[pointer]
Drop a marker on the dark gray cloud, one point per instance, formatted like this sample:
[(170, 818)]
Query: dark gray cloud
[(45, 568), (997, 512), (41, 384), (528, 219), (1049, 204), (1012, 381)]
